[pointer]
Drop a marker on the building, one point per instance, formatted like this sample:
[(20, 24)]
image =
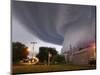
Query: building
[(79, 57)]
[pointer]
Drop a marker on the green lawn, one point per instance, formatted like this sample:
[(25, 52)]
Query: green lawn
[(47, 68)]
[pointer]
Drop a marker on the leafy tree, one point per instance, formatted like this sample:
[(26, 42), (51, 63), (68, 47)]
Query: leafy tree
[(19, 51), (58, 59), (44, 52)]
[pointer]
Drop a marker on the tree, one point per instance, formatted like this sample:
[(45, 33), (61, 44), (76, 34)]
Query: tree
[(19, 51), (58, 59), (44, 53)]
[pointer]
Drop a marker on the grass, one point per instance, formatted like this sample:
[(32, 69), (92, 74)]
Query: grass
[(20, 69)]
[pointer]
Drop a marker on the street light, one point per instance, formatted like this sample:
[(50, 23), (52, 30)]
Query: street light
[(28, 49), (33, 47)]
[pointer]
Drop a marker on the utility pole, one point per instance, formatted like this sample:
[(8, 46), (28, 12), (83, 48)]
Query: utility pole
[(33, 43), (49, 56)]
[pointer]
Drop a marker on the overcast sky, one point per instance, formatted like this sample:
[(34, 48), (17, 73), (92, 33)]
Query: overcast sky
[(53, 25)]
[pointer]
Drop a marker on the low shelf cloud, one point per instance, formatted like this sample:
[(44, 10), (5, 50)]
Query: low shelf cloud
[(59, 24)]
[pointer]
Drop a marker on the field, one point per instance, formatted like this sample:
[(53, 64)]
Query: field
[(20, 69)]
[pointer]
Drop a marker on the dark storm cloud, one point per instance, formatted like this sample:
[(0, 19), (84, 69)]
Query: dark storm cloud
[(57, 23)]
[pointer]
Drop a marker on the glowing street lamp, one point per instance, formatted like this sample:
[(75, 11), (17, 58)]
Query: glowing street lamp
[(28, 50), (93, 46)]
